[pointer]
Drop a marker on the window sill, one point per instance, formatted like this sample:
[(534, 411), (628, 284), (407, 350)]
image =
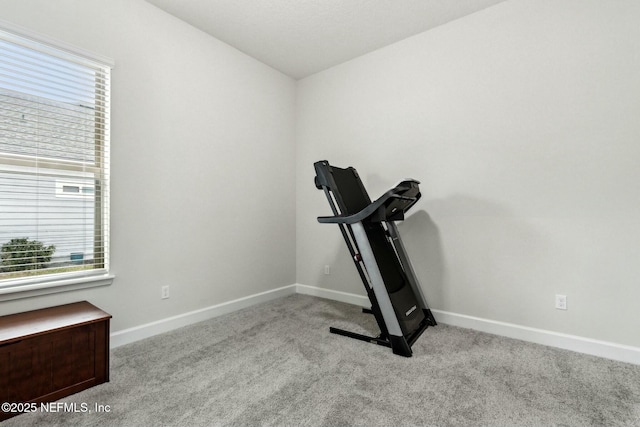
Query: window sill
[(52, 286)]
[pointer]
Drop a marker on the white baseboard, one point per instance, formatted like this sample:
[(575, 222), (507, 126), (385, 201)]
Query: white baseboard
[(147, 330), (578, 344), (345, 297), (609, 350)]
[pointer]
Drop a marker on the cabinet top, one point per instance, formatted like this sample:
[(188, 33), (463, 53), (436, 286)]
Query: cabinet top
[(15, 327)]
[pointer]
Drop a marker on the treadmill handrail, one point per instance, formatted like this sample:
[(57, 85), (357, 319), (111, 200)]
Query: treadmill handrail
[(394, 193)]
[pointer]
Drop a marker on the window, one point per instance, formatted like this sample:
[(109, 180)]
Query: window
[(54, 165)]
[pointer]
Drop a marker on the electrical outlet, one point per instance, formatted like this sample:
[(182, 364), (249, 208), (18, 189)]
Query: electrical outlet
[(561, 302), (164, 293), (327, 269)]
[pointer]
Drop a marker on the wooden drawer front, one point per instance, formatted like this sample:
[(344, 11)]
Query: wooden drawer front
[(29, 366), (73, 357), (42, 365), (4, 377)]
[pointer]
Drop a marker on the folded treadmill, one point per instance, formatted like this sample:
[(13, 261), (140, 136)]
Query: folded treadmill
[(371, 235)]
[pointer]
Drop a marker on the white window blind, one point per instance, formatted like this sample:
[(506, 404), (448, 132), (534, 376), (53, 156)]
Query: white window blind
[(54, 163)]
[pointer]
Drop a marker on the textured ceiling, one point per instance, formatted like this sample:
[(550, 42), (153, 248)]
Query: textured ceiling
[(302, 37)]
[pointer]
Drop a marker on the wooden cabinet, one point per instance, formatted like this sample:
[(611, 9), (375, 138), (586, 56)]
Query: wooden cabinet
[(51, 353)]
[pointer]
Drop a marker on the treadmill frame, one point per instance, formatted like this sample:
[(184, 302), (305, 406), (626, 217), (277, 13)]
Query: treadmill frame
[(353, 231)]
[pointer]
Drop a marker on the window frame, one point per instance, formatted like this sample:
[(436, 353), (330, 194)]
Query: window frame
[(22, 287)]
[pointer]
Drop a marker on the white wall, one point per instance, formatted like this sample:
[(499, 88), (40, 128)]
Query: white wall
[(521, 121), (203, 198)]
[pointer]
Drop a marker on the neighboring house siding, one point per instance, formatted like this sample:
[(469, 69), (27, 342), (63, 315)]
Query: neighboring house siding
[(51, 218)]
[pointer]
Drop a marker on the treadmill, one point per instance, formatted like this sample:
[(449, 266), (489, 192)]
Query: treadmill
[(371, 235)]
